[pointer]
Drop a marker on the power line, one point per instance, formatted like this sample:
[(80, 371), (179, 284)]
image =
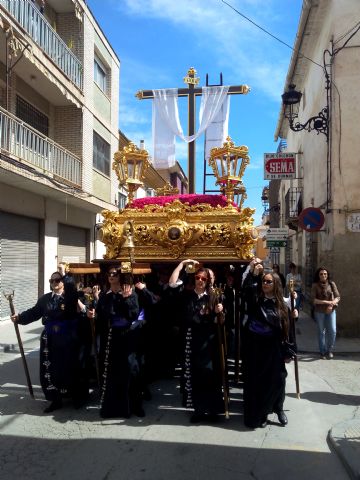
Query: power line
[(270, 34)]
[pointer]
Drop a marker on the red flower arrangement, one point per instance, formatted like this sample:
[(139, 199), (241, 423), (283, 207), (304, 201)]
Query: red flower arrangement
[(191, 199)]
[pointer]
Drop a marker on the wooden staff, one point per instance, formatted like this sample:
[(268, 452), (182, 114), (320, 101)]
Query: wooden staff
[(9, 297), (93, 334), (218, 292), (237, 337), (90, 302), (293, 331)]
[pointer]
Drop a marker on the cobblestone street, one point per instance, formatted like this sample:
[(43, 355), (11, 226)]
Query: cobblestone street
[(76, 444)]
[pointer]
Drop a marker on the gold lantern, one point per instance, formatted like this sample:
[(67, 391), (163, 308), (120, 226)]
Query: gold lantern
[(229, 163), (130, 165)]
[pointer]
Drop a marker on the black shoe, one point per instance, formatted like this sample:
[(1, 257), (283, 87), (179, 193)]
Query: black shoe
[(197, 417), (253, 426), (79, 402), (139, 412), (212, 417), (110, 414), (146, 394), (263, 424), (282, 418), (55, 405)]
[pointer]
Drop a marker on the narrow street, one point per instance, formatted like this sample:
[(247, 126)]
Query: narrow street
[(76, 444)]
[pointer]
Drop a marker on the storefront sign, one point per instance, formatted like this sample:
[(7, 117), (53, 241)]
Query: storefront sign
[(278, 166)]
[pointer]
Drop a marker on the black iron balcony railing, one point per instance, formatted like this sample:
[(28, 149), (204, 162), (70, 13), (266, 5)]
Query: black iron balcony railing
[(40, 30), (26, 143), (293, 206)]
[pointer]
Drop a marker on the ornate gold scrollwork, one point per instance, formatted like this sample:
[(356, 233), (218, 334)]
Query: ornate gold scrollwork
[(179, 230), (167, 189), (191, 78), (175, 235), (126, 267)]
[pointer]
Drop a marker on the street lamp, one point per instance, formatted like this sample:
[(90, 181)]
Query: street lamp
[(228, 163), (130, 165), (320, 122)]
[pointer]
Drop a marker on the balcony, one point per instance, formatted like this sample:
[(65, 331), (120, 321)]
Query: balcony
[(39, 29), (26, 143), (293, 206)]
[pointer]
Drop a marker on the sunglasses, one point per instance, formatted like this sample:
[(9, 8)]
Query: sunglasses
[(113, 274), (267, 282), (55, 280), (201, 277)]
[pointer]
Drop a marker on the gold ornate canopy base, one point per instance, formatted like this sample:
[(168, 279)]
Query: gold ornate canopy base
[(177, 230)]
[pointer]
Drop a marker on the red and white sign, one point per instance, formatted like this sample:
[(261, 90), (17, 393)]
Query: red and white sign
[(278, 166)]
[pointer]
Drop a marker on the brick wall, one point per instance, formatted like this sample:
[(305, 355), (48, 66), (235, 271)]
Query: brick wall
[(88, 122), (2, 96), (70, 30), (68, 128)]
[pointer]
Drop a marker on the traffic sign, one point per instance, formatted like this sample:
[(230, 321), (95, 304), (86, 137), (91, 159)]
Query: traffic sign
[(311, 219), (279, 234), (275, 243)]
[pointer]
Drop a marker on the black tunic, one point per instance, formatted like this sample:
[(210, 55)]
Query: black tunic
[(263, 359), (119, 349), (202, 373), (59, 344)]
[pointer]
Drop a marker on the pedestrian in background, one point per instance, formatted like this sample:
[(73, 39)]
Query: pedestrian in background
[(325, 298), (295, 277), (276, 269), (266, 350)]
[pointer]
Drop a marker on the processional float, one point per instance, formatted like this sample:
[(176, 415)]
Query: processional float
[(172, 227), (167, 228)]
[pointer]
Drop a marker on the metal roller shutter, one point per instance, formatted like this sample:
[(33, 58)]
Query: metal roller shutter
[(72, 244), (19, 261)]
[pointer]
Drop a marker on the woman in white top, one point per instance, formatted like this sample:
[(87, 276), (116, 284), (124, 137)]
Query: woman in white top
[(295, 277)]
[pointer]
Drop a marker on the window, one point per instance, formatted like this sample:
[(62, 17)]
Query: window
[(122, 201), (32, 116), (101, 155), (100, 74)]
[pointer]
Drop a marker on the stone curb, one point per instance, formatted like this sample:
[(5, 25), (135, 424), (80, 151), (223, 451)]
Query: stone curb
[(345, 438)]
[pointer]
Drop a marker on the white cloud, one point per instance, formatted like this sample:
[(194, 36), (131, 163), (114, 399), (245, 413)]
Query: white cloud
[(239, 45), (255, 163)]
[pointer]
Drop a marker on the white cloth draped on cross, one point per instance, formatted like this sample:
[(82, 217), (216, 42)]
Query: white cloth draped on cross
[(213, 118)]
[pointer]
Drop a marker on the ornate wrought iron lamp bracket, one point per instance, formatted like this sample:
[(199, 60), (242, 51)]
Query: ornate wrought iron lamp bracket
[(319, 122)]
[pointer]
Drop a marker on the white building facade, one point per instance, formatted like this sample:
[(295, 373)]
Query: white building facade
[(327, 166)]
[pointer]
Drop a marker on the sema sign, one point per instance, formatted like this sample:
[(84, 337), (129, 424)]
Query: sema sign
[(279, 165)]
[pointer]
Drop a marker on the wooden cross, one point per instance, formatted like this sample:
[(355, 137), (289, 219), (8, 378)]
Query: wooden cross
[(191, 92)]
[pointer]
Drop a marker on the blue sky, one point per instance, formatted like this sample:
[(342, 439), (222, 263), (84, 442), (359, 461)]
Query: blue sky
[(157, 41)]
